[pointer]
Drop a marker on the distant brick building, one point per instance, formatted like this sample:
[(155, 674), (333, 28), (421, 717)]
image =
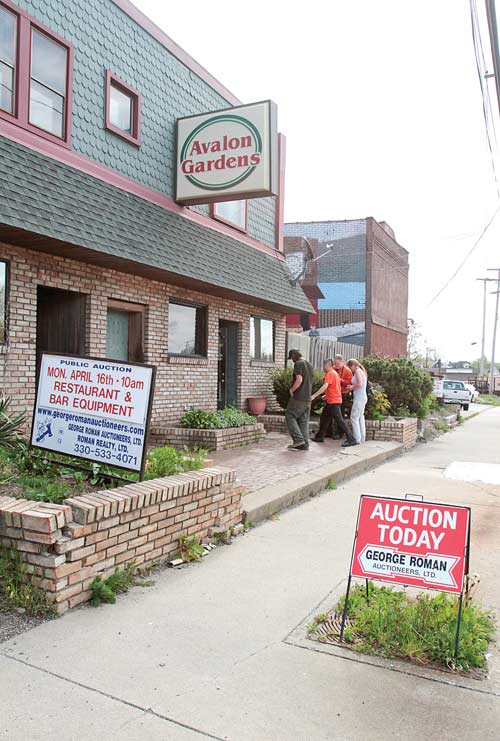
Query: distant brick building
[(363, 274), (96, 256)]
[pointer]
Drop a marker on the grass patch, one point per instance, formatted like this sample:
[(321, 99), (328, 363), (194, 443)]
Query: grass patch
[(441, 426), (489, 399), (15, 587), (394, 625)]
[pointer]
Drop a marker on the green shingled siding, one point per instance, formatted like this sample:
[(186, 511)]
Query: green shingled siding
[(106, 38)]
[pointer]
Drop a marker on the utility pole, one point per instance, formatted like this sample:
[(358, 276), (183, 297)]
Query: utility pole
[(483, 357), (495, 324), (495, 47)]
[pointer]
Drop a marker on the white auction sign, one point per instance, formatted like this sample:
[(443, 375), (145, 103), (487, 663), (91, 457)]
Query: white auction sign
[(94, 409), (227, 155)]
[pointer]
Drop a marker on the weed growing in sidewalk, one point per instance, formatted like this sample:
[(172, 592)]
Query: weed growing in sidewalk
[(331, 484), (190, 549), (393, 624), (15, 588), (105, 590)]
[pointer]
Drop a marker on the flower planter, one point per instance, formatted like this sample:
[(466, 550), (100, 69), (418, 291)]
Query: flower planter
[(229, 437), (257, 405)]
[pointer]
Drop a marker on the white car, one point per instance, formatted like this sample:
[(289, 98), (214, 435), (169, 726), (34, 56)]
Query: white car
[(474, 393), (452, 392)]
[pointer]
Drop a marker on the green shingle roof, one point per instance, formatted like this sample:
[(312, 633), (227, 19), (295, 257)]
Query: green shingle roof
[(51, 199)]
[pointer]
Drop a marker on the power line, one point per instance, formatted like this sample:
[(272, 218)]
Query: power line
[(479, 53), (478, 240)]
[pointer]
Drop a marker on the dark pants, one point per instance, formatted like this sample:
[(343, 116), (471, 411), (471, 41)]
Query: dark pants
[(336, 429), (297, 420), (330, 413)]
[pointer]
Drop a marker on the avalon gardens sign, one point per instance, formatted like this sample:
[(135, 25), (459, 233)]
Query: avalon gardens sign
[(227, 155)]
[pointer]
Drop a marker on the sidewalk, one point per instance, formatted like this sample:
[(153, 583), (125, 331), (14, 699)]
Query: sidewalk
[(276, 478), (211, 652)]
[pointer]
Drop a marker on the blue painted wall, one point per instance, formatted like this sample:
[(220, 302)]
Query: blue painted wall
[(106, 38)]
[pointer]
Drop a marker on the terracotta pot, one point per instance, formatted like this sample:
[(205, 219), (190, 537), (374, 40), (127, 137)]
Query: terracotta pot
[(257, 405)]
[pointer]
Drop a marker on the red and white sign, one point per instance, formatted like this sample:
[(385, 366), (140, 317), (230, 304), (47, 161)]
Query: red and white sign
[(419, 544)]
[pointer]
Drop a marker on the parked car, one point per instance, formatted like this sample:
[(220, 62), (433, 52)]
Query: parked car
[(452, 392), (474, 393)]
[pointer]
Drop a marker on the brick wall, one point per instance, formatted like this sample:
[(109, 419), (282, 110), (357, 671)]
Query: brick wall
[(66, 546), (181, 382), (402, 431), (387, 342), (225, 439)]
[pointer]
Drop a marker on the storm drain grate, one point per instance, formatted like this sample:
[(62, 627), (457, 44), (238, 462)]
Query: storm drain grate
[(328, 631)]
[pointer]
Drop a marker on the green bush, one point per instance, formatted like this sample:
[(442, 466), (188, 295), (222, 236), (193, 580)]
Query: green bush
[(10, 424), (378, 406), (199, 419), (408, 388), (282, 379), (167, 461)]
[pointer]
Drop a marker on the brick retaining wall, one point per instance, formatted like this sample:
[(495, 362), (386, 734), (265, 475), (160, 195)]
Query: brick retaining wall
[(230, 437), (65, 546), (402, 431)]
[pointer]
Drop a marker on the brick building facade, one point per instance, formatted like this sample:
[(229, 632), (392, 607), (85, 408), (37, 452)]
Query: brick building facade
[(96, 256), (362, 272)]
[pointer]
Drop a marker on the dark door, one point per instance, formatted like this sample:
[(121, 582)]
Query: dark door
[(228, 364), (60, 325)]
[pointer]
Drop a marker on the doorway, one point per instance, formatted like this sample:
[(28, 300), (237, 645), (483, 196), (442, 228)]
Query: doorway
[(60, 322), (227, 387)]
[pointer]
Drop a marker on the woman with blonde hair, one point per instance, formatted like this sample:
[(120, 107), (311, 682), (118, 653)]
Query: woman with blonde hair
[(358, 388)]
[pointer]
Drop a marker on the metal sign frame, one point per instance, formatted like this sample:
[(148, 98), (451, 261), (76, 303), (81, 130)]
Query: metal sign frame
[(388, 581)]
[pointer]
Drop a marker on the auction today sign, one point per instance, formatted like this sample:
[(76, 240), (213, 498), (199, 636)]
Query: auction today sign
[(227, 155), (93, 409), (419, 544)]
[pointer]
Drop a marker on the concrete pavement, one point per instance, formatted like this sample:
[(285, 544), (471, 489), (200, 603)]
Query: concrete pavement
[(206, 651)]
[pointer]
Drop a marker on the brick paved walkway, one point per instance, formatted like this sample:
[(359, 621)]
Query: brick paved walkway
[(269, 461)]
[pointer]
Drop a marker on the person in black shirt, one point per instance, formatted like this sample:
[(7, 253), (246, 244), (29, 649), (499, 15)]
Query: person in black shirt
[(299, 406)]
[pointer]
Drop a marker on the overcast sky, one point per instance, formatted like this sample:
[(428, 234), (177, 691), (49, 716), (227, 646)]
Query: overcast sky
[(381, 107)]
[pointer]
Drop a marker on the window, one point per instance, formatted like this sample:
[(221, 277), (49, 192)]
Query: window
[(48, 83), (187, 329), (35, 75), (125, 331), (233, 213), (8, 55), (3, 301), (123, 109), (262, 339)]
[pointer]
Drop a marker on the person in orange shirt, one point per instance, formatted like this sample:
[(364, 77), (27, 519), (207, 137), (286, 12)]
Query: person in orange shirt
[(332, 410), (345, 375)]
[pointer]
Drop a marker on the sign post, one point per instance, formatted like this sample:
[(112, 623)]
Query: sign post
[(413, 543), (95, 409)]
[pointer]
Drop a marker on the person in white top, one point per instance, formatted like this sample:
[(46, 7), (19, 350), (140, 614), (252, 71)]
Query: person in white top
[(358, 388)]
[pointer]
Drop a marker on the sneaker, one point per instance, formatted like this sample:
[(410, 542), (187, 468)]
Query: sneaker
[(301, 446), (348, 444)]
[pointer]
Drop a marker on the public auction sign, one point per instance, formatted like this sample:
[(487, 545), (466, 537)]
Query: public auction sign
[(227, 155), (93, 409), (419, 544)]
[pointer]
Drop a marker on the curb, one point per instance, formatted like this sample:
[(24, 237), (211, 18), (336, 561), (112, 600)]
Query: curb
[(262, 504)]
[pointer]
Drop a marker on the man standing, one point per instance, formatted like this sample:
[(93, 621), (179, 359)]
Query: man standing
[(345, 376), (332, 409), (298, 408)]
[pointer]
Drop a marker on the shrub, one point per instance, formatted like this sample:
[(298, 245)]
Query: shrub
[(282, 379), (10, 424), (408, 388), (167, 461), (198, 419), (378, 406)]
